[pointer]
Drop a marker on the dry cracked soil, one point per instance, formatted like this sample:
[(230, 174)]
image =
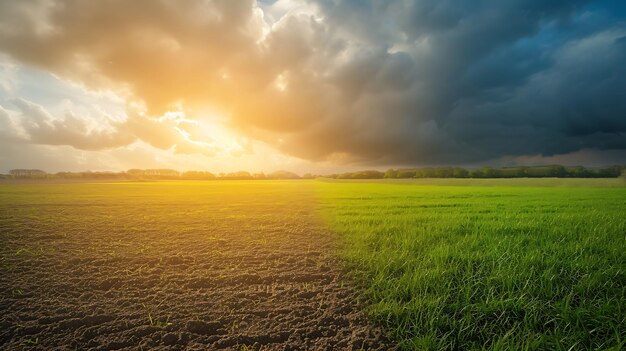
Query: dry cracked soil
[(173, 267)]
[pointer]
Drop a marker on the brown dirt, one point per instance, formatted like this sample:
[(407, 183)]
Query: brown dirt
[(154, 272)]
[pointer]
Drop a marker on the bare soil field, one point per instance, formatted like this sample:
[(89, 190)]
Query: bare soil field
[(173, 265)]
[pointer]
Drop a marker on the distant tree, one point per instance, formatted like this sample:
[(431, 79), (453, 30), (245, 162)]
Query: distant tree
[(134, 172), (197, 175), (241, 175), (152, 174), (610, 172), (27, 173), (406, 173), (488, 172), (391, 173), (521, 172), (444, 172), (508, 172), (476, 173), (460, 173), (283, 175), (578, 172), (557, 171), (428, 173), (347, 175), (68, 175), (373, 174), (369, 174), (538, 172)]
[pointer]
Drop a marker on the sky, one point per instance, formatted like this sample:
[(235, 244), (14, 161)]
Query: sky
[(310, 86)]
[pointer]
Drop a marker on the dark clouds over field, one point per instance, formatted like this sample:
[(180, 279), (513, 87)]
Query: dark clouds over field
[(367, 82)]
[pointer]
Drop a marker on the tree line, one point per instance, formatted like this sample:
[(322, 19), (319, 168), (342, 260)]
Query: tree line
[(147, 174), (557, 171)]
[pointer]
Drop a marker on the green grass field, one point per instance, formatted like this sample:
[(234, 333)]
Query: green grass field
[(515, 264)]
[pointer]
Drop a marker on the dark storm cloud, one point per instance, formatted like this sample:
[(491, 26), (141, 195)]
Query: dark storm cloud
[(378, 82), (496, 78)]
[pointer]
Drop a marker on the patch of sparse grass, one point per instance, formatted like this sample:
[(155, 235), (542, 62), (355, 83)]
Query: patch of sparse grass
[(31, 342), (234, 326), (158, 323), (480, 266), (23, 251)]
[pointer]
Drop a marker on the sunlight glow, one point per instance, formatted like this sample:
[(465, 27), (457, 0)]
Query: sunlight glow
[(205, 133), (281, 82)]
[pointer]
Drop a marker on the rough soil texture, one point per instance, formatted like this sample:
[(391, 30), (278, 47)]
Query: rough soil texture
[(194, 270)]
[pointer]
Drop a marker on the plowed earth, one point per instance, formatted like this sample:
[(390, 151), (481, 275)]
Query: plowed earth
[(173, 265)]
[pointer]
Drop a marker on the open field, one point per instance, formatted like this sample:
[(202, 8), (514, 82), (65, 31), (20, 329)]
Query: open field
[(173, 265), (440, 264), (488, 263)]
